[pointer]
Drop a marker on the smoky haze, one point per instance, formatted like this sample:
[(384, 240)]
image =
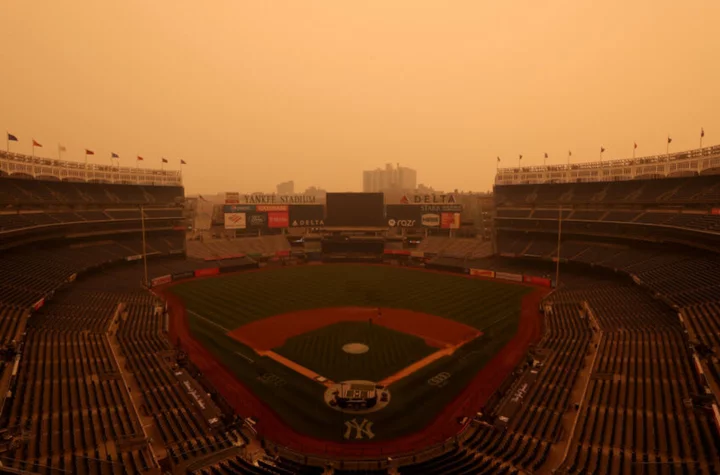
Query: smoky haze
[(254, 93)]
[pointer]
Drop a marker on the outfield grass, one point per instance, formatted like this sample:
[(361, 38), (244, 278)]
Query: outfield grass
[(321, 351), (235, 300)]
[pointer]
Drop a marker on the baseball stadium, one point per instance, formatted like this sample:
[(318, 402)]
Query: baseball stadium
[(568, 322)]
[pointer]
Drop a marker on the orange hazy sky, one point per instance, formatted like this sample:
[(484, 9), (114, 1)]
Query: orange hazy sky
[(251, 93)]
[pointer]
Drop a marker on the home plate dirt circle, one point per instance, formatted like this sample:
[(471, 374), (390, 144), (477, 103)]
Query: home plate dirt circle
[(355, 348), (357, 396)]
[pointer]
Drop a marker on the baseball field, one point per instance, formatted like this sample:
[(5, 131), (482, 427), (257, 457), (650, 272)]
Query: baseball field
[(274, 341)]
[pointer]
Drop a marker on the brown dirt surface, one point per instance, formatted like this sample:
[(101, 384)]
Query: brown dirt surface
[(273, 332)]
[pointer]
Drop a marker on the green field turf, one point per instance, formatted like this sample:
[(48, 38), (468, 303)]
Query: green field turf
[(234, 300), (321, 351)]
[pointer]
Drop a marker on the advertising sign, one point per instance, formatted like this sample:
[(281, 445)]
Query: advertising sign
[(430, 220), (165, 279), (256, 220), (235, 221), (482, 273), (306, 216), (402, 223), (232, 197), (716, 211), (278, 219), (441, 208), (509, 276), (530, 279), (448, 198), (450, 220), (206, 272), (270, 208), (239, 208), (279, 199)]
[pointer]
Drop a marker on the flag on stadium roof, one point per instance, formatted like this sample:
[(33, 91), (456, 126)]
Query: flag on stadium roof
[(89, 152), (569, 153), (702, 132), (164, 160), (11, 137), (546, 155), (498, 159), (602, 149), (114, 155), (669, 139), (140, 158), (183, 162), (36, 143), (634, 144), (521, 156), (62, 148)]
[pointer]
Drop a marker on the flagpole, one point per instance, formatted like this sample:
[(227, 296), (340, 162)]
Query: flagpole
[(702, 134), (667, 146), (633, 151), (7, 142)]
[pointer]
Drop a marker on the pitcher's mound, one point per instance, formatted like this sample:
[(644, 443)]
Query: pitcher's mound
[(356, 348)]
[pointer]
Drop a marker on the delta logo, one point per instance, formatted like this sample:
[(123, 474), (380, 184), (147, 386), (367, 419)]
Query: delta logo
[(428, 199)]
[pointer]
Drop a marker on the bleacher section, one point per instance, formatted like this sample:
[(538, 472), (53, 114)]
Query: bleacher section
[(646, 402), (251, 246), (460, 247), (696, 190), (15, 191)]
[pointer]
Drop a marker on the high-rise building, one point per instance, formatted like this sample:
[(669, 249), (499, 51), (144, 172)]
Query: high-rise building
[(286, 188), (389, 178)]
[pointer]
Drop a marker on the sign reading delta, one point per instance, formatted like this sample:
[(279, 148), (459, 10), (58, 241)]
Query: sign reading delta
[(428, 199)]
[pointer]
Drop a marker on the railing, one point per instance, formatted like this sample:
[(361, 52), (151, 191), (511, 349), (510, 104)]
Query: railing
[(693, 162), (36, 167)]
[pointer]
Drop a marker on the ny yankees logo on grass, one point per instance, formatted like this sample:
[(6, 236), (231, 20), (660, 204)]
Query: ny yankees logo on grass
[(439, 379), (362, 430)]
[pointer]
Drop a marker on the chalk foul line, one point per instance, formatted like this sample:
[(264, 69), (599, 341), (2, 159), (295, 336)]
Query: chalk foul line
[(197, 315)]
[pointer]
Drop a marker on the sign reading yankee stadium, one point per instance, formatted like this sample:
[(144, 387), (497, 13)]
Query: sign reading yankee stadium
[(280, 199)]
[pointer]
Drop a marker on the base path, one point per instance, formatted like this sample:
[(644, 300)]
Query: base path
[(272, 332)]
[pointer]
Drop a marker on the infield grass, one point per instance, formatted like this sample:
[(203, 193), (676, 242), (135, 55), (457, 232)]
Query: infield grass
[(321, 351)]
